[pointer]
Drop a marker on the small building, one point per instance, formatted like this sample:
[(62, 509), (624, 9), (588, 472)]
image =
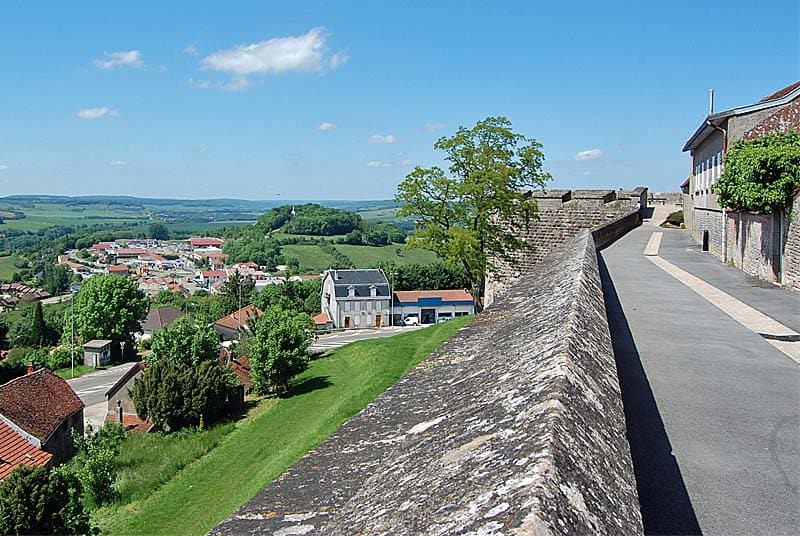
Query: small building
[(43, 409), (322, 322), (119, 401), (228, 327), (97, 353), (431, 306), (119, 269), (206, 242), (356, 298), (159, 318)]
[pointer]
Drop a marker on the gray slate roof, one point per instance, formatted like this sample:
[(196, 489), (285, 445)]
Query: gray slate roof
[(160, 317), (362, 280)]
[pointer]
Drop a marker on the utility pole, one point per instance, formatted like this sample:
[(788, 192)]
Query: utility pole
[(391, 296), (72, 330)]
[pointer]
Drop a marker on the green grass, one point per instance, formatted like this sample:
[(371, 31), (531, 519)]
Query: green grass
[(312, 258), (80, 370), (369, 256), (7, 267), (272, 438)]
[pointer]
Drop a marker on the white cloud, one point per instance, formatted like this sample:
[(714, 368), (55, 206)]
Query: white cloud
[(378, 163), (131, 58), (326, 126), (96, 113), (118, 163), (302, 53), (339, 59), (3, 167), (589, 154), (380, 138), (433, 127), (190, 50), (238, 83), (406, 163)]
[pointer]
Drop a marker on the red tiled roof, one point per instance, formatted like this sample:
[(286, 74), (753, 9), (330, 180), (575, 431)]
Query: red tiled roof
[(215, 273), (445, 295), (241, 367), (321, 318), (786, 118), (118, 268), (214, 255), (38, 402), (201, 242), (15, 450), (232, 321), (131, 251), (781, 92)]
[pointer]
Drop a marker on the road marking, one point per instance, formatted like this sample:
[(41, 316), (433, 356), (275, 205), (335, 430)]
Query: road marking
[(781, 337), (653, 244)]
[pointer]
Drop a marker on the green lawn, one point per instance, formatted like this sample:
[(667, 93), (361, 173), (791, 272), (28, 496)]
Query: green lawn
[(369, 256), (7, 267), (80, 370), (312, 258), (266, 443)]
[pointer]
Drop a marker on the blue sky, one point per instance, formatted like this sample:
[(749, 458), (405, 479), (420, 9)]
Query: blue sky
[(339, 100)]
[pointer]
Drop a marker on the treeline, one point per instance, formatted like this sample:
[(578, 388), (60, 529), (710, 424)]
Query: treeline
[(436, 276)]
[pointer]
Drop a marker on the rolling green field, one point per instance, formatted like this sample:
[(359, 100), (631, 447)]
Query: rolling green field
[(313, 259), (277, 433), (42, 216), (7, 267)]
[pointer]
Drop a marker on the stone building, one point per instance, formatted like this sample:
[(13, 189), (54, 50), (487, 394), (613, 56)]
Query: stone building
[(356, 298), (756, 243)]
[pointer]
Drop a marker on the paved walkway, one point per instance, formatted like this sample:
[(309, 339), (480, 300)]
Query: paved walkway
[(712, 408)]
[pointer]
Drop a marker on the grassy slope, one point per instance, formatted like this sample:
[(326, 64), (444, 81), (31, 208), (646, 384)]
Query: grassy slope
[(7, 267), (312, 258), (369, 256), (265, 444)]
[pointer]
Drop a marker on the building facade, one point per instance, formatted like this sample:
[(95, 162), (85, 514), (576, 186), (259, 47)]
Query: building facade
[(356, 298), (755, 243), (431, 306)]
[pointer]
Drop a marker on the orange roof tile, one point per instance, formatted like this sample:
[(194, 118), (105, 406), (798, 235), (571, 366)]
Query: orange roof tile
[(15, 450), (240, 317), (445, 295), (321, 318)]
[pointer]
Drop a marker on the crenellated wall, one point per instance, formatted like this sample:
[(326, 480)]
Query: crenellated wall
[(562, 214), (514, 426)]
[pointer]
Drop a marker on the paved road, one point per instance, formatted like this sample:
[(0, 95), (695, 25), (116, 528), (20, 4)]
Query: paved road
[(91, 388), (335, 340), (711, 407)]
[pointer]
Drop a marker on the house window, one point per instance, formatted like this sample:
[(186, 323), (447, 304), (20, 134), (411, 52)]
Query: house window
[(373, 291), (347, 307), (351, 291)]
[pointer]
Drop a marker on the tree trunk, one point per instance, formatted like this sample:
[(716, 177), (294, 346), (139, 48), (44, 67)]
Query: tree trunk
[(477, 295)]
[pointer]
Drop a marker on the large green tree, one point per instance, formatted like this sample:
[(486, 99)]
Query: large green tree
[(109, 306), (466, 216), (761, 174), (279, 349), (185, 342)]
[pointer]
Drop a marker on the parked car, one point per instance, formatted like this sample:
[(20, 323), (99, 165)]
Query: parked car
[(411, 320)]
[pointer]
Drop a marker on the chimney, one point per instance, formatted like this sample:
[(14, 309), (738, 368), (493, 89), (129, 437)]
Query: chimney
[(710, 102), (29, 369)]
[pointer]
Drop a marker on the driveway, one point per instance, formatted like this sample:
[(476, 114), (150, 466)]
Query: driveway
[(336, 340), (91, 389)]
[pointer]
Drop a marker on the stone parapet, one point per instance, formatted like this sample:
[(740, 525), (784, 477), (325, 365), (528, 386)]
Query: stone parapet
[(514, 426)]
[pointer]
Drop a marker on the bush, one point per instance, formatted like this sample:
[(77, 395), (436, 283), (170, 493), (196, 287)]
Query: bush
[(61, 357), (174, 395), (675, 218), (42, 501), (761, 174), (95, 463)]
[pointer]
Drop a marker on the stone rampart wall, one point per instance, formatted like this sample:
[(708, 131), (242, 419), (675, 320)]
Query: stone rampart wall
[(791, 257), (514, 426)]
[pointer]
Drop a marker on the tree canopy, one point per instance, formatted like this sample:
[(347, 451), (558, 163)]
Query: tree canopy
[(465, 216), (279, 350), (761, 174), (185, 342), (109, 306)]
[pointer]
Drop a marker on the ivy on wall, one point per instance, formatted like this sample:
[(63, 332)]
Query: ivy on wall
[(761, 174)]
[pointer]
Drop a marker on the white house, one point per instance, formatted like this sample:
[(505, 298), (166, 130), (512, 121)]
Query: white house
[(356, 298), (430, 306)]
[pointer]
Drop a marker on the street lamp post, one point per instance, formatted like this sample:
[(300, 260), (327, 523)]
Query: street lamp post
[(391, 297), (72, 331)]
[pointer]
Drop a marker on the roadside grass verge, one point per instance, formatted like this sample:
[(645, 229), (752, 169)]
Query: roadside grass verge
[(270, 440), (80, 370)]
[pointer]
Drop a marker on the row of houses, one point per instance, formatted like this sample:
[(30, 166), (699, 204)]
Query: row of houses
[(13, 293), (764, 245)]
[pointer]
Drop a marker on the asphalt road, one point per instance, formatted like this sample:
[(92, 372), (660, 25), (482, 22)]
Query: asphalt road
[(712, 409), (335, 340), (91, 388)]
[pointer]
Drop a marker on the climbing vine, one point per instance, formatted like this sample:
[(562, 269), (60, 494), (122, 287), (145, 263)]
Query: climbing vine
[(761, 174)]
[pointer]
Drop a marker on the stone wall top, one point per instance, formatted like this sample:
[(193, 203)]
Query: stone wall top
[(514, 426)]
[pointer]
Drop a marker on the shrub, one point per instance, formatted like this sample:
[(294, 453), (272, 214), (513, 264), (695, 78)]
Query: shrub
[(95, 462), (42, 501), (61, 357), (675, 218), (760, 174), (174, 395)]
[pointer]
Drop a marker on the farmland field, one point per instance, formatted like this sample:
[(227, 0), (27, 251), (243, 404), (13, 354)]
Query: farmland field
[(7, 267), (369, 256)]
